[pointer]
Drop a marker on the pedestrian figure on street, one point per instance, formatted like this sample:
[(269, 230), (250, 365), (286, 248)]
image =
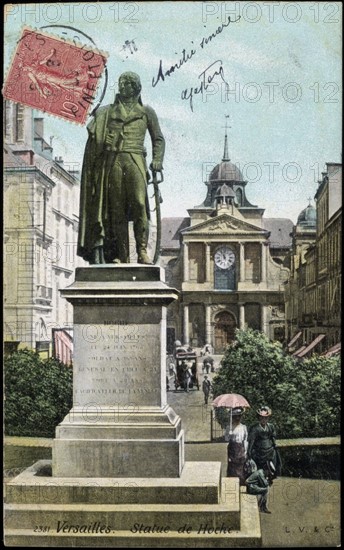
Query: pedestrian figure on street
[(172, 369), (206, 387), (207, 364), (259, 482), (237, 437), (188, 378), (206, 350), (262, 442)]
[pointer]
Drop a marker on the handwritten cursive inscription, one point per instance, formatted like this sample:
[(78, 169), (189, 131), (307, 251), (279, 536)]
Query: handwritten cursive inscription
[(162, 74), (186, 56), (207, 76), (219, 30)]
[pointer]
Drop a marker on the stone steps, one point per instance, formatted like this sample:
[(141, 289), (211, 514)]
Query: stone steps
[(198, 484), (249, 535), (124, 516), (42, 510)]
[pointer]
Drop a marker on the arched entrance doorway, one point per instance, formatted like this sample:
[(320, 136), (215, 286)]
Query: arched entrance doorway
[(225, 326)]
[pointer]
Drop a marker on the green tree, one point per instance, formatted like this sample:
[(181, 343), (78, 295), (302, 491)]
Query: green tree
[(297, 392), (38, 394), (322, 395)]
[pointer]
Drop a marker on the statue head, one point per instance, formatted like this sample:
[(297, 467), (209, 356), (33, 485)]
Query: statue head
[(129, 85)]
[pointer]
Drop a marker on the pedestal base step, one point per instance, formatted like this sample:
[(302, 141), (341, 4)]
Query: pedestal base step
[(122, 516), (48, 511), (249, 536), (199, 483)]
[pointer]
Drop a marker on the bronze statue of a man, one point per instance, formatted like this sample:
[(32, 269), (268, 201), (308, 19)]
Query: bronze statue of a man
[(114, 177)]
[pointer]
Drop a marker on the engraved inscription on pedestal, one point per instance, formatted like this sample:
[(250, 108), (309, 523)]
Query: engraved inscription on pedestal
[(113, 366), (118, 363)]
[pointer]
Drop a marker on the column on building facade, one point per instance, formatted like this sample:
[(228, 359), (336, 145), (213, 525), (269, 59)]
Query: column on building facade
[(263, 325), (241, 316), (207, 262), (263, 262), (242, 263), (208, 324), (186, 261), (186, 325)]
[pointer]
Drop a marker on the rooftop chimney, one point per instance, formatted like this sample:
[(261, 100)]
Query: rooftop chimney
[(59, 160)]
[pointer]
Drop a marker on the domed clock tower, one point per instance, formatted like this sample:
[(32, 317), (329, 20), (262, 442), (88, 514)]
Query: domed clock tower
[(225, 272)]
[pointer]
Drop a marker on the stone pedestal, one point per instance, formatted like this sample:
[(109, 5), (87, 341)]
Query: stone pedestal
[(118, 474), (120, 424)]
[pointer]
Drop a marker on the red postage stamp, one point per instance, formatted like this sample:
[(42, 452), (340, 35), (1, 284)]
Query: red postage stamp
[(54, 75)]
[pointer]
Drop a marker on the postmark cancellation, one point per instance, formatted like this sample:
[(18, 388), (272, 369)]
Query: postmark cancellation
[(54, 75)]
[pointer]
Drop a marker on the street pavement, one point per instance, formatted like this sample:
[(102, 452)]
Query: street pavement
[(304, 512), (192, 410)]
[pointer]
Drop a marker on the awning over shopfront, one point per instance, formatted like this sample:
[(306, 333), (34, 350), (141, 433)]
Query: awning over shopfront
[(296, 353), (294, 339), (334, 350), (310, 346), (63, 346)]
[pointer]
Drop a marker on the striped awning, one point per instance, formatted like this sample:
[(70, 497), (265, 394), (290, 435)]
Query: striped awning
[(294, 339), (63, 346), (334, 350), (310, 346), (296, 353)]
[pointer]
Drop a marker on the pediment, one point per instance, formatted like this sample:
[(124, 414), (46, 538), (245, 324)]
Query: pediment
[(224, 224)]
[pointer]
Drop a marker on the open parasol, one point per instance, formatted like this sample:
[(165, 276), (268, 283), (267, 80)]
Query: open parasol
[(231, 401)]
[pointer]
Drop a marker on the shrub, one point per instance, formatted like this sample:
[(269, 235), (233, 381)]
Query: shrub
[(38, 394), (311, 463), (304, 396)]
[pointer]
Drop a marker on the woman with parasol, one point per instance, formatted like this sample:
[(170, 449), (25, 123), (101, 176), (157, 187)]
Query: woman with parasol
[(236, 433), (237, 438)]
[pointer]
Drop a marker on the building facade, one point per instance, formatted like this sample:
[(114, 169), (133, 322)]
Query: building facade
[(40, 226), (299, 295), (229, 263), (313, 293)]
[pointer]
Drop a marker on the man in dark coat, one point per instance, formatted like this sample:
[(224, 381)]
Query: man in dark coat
[(258, 483), (206, 387), (114, 177)]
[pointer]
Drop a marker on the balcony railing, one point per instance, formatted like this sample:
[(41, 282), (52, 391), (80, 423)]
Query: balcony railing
[(44, 293)]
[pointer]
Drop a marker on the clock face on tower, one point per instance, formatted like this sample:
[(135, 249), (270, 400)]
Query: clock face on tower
[(224, 257)]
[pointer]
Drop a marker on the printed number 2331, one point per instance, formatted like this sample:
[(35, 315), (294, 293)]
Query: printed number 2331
[(41, 529)]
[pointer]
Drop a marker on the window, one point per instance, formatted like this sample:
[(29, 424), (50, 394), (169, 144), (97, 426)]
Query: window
[(43, 347), (224, 269), (238, 194), (196, 263), (253, 262), (19, 122), (7, 121), (253, 316)]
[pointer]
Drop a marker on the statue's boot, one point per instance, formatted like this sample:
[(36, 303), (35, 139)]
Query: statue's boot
[(141, 237), (98, 255), (143, 257), (122, 247)]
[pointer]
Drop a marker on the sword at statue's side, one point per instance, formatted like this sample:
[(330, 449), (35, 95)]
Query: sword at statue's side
[(158, 201)]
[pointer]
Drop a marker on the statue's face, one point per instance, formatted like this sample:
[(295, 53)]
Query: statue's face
[(128, 86)]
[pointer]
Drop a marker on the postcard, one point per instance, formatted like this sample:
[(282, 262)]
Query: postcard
[(194, 136)]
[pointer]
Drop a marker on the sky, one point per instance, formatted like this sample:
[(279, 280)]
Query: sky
[(273, 68)]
